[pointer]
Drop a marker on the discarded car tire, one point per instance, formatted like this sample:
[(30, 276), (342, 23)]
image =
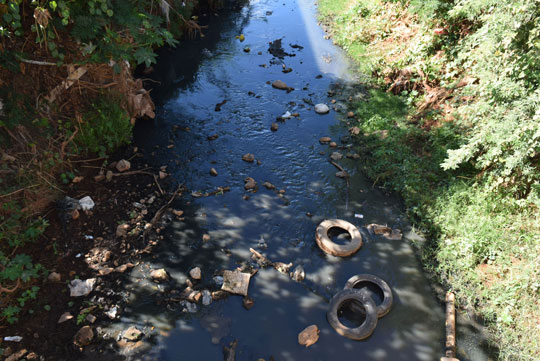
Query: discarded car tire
[(325, 243), (384, 307), (366, 328)]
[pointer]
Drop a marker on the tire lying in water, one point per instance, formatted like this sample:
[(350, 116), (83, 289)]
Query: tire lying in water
[(370, 309), (388, 298), (325, 243)]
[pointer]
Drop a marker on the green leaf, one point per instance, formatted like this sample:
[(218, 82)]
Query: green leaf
[(53, 5), (7, 18)]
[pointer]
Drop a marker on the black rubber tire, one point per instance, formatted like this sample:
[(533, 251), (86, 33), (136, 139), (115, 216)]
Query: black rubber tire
[(325, 243), (366, 328), (388, 298)]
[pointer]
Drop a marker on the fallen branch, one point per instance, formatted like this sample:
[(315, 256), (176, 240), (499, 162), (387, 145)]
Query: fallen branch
[(65, 143), (160, 211), (37, 62), (18, 190), (133, 173), (261, 260), (157, 183), (10, 290), (73, 76)]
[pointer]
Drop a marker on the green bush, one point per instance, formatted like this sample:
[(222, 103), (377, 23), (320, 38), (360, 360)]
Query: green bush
[(105, 127), (17, 270), (470, 177)]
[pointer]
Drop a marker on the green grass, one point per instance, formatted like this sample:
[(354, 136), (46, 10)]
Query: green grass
[(470, 180)]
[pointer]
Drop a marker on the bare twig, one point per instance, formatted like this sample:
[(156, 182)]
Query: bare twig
[(160, 211), (65, 143), (10, 290), (18, 190), (37, 62), (133, 172), (159, 187), (87, 160)]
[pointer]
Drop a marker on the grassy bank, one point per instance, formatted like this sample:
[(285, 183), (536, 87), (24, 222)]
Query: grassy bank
[(452, 124)]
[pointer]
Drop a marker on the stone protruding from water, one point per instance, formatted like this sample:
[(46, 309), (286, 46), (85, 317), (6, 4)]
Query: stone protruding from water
[(309, 336)]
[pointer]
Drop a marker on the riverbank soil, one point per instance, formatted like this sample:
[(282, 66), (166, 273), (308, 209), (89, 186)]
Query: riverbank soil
[(451, 124), (102, 244)]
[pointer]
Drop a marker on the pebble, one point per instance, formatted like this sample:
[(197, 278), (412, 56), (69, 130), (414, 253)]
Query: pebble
[(309, 336), (213, 172), (336, 156), (248, 302), (66, 316), (84, 336), (278, 84), (269, 185), (333, 144), (132, 334), (206, 237), (249, 184), (159, 275), (178, 212), (350, 115), (121, 230), (123, 165), (325, 140), (54, 277), (298, 274), (322, 109), (195, 273), (248, 157), (274, 127)]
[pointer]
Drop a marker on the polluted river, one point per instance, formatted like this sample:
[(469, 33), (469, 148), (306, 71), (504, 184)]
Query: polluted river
[(215, 105)]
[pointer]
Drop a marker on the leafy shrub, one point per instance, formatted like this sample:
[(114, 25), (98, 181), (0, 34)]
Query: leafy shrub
[(106, 126), (17, 270)]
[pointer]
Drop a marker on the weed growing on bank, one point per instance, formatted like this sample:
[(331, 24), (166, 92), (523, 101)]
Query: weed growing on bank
[(452, 124)]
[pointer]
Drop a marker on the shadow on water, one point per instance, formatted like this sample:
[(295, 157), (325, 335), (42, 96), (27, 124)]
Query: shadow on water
[(279, 223)]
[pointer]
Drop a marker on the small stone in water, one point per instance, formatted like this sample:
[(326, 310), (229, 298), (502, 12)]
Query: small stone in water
[(248, 157), (213, 172), (336, 156), (325, 140), (321, 109), (195, 273), (274, 127), (309, 336), (248, 302)]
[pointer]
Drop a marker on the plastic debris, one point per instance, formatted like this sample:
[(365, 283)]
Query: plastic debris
[(81, 288), (86, 203), (13, 338), (236, 282)]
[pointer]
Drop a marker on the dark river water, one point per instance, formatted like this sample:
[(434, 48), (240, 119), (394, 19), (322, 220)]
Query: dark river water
[(205, 72)]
